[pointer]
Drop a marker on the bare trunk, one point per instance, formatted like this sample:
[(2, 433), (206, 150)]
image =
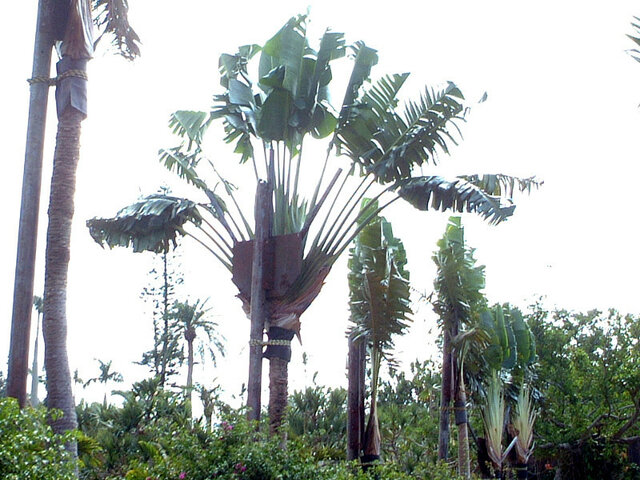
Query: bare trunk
[(460, 403), (190, 338), (278, 392), (355, 399), (445, 396), (29, 207), (258, 302), (61, 208), (34, 369)]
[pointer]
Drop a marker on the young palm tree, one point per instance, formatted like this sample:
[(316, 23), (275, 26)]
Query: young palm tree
[(273, 117), (458, 287), (106, 375), (35, 378), (379, 302), (191, 320)]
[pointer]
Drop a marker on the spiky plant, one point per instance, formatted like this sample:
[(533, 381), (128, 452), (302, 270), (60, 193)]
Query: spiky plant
[(523, 420)]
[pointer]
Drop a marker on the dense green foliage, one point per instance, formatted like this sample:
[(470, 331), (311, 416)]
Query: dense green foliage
[(29, 450), (588, 385)]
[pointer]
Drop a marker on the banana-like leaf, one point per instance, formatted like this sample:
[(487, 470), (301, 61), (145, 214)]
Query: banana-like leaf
[(502, 185), (184, 165), (512, 349), (379, 285), (389, 145), (149, 225), (457, 195), (111, 17), (190, 123), (522, 336), (635, 53)]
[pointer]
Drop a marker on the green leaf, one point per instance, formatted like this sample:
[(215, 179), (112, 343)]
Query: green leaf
[(457, 195), (273, 122), (149, 225)]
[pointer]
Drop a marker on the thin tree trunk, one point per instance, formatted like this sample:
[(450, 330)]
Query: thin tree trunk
[(258, 302), (61, 208), (30, 206), (445, 396), (165, 321), (278, 392), (34, 369), (355, 399), (464, 469), (190, 336)]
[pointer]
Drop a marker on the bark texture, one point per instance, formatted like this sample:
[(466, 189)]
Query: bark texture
[(278, 392), (30, 206), (61, 209), (445, 397), (464, 469), (355, 399)]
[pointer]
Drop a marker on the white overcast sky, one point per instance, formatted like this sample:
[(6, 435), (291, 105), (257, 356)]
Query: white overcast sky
[(562, 105)]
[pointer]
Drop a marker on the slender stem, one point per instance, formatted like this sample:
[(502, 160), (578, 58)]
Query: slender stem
[(224, 240), (216, 243), (214, 253), (339, 224), (324, 167), (337, 250), (316, 240), (233, 199), (298, 165)]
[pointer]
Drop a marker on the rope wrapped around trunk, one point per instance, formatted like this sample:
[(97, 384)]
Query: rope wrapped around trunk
[(279, 343)]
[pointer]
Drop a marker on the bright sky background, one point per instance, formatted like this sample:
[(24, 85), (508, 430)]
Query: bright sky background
[(562, 105)]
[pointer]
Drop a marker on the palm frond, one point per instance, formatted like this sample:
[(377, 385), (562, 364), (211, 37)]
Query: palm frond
[(191, 124), (379, 285), (152, 224), (390, 145), (457, 195), (111, 17), (503, 185), (635, 53)]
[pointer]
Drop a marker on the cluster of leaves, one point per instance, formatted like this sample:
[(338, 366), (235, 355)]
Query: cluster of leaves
[(152, 436), (29, 450), (317, 417), (588, 390)]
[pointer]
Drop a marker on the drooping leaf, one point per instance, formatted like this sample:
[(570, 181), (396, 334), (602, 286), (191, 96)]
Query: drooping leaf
[(457, 195), (149, 225)]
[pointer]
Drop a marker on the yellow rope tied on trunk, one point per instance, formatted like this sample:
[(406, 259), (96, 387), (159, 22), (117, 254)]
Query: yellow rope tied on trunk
[(260, 343), (54, 81)]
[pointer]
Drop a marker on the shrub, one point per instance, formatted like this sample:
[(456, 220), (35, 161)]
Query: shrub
[(29, 450)]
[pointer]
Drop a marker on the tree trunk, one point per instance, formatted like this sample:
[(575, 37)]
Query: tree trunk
[(258, 302), (61, 208), (190, 336), (30, 205), (445, 396), (34, 369), (278, 392), (464, 469), (355, 399)]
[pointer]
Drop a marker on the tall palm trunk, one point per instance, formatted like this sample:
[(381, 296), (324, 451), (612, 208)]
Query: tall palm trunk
[(460, 403), (355, 398), (278, 392), (445, 396), (190, 336), (61, 208), (34, 368), (30, 205)]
